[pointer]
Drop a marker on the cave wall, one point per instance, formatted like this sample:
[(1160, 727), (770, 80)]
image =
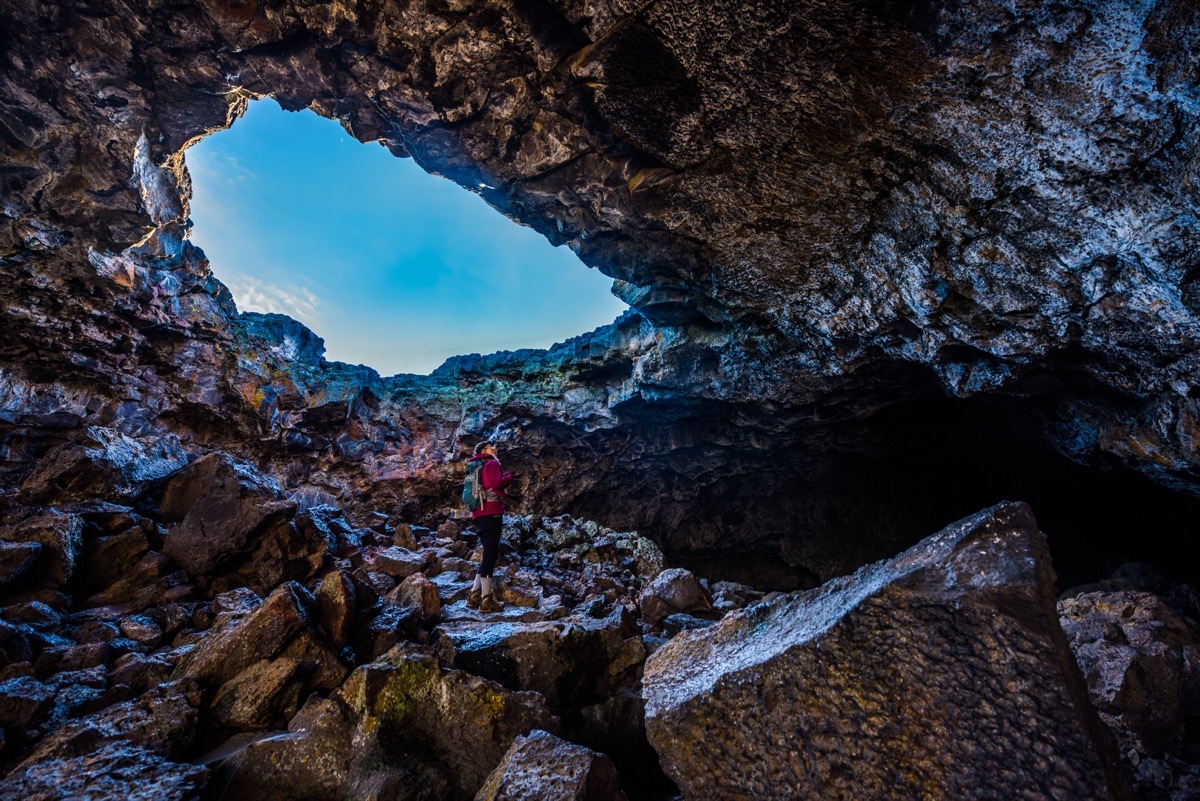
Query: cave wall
[(820, 211)]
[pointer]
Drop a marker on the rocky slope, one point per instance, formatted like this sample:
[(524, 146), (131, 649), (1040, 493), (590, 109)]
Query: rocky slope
[(209, 639)]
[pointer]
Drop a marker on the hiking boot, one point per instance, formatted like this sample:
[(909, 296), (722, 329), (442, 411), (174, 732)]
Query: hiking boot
[(473, 599), (490, 604)]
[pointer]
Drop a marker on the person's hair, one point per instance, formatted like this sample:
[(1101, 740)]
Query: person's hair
[(480, 446)]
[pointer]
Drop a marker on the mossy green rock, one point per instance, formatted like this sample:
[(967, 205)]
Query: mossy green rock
[(416, 720)]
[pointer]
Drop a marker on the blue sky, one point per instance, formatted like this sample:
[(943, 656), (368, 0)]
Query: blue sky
[(393, 267)]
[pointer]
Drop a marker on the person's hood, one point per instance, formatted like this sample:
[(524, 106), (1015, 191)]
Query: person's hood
[(482, 457)]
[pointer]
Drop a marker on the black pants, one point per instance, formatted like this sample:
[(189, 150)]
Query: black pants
[(489, 534)]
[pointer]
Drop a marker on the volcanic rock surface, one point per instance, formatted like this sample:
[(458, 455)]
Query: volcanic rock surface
[(941, 672), (830, 218), (888, 263)]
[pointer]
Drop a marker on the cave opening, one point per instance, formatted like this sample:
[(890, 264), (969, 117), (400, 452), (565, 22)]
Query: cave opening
[(394, 267)]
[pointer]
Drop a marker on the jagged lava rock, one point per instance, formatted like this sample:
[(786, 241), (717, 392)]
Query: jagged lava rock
[(104, 464), (568, 661), (419, 593), (335, 598), (61, 537), (542, 767), (216, 504), (1141, 661), (225, 653), (412, 713), (16, 558), (113, 771), (941, 672), (311, 761), (673, 590), (258, 697)]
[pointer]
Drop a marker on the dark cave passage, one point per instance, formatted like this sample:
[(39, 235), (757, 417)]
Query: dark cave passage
[(883, 484)]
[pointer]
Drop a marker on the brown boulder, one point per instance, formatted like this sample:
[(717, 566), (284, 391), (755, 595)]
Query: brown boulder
[(261, 696), (61, 539), (261, 634), (110, 558), (672, 591), (104, 465), (1141, 661), (418, 593), (942, 672), (543, 767), (308, 763), (433, 723), (217, 505), (567, 661), (396, 562), (335, 607)]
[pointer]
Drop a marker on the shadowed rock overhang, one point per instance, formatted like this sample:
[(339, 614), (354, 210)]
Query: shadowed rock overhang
[(889, 261)]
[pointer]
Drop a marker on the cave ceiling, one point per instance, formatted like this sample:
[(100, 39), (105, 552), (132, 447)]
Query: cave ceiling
[(850, 231)]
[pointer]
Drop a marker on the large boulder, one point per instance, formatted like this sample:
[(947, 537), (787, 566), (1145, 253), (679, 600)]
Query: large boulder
[(417, 723), (942, 672), (544, 767), (60, 537), (104, 465), (1141, 661), (259, 697), (400, 728), (310, 761), (242, 641), (569, 661), (336, 606), (217, 505), (672, 591)]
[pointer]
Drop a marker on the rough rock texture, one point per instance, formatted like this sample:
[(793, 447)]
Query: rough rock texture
[(829, 216), (104, 465), (239, 643), (111, 771), (1141, 661), (60, 537), (310, 761), (569, 661), (15, 559), (455, 724), (674, 590), (889, 262), (216, 506), (541, 766), (879, 685)]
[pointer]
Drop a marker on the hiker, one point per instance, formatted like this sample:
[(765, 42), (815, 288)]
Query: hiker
[(488, 516)]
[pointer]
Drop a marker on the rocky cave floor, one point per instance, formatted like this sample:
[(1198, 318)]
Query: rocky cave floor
[(207, 638)]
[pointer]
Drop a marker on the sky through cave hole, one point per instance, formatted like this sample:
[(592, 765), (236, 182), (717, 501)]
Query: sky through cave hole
[(395, 268)]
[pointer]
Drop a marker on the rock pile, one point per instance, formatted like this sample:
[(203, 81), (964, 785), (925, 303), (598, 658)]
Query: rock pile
[(213, 626), (213, 634)]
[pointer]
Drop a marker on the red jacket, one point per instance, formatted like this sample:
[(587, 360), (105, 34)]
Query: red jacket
[(494, 480)]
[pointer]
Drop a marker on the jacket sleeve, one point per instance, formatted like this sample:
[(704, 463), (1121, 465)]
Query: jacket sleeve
[(505, 480)]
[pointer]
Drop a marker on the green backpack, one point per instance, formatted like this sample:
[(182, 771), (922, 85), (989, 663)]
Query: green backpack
[(473, 493)]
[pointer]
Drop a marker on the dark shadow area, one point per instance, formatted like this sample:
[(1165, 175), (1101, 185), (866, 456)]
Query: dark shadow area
[(831, 497)]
